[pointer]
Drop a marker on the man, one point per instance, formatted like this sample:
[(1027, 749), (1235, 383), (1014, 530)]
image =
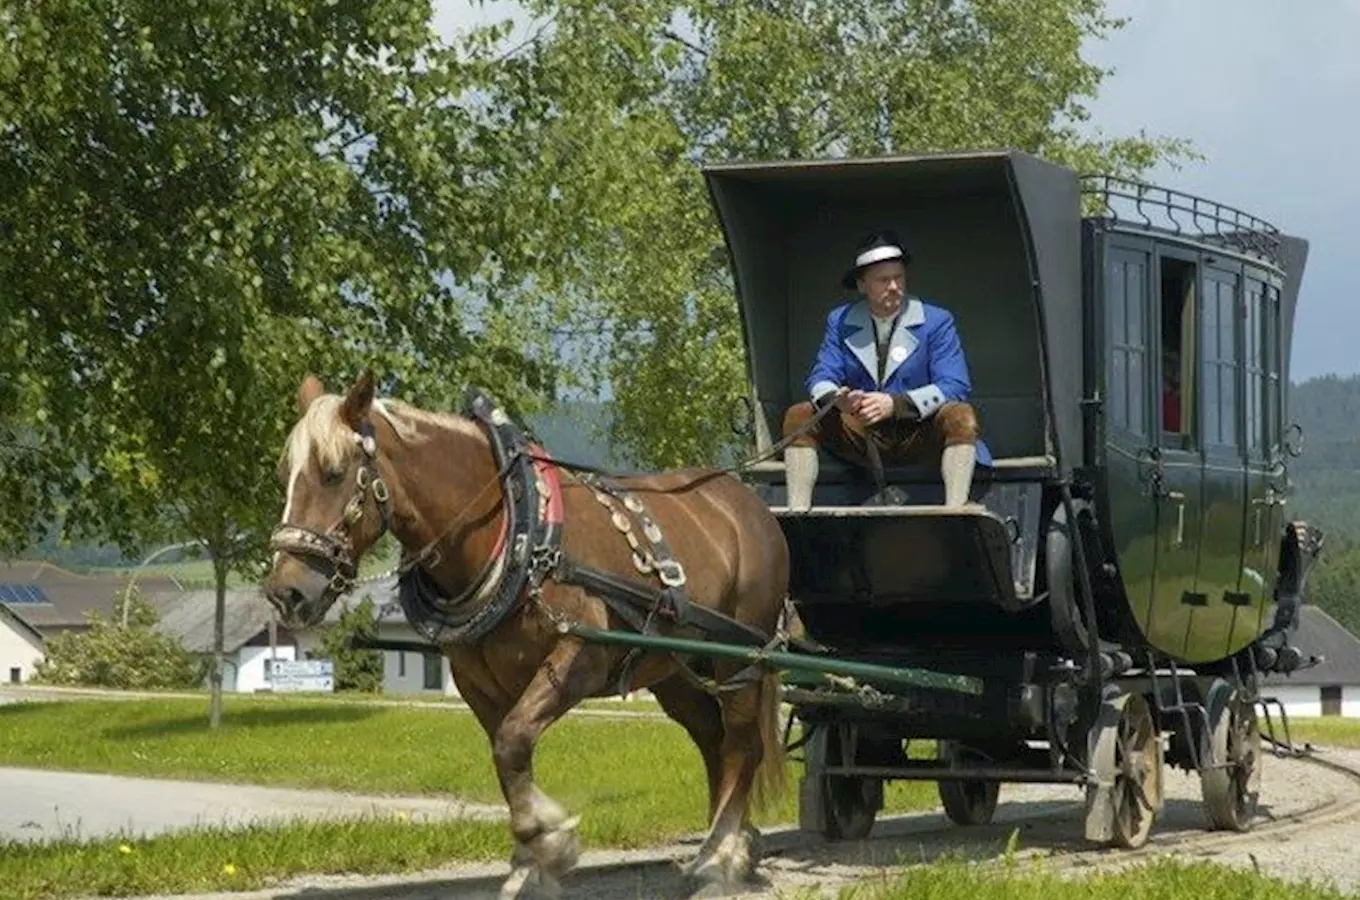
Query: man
[(893, 366)]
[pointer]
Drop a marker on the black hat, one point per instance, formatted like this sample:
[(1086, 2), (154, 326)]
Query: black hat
[(877, 247)]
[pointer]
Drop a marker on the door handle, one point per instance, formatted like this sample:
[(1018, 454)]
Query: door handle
[(1179, 498)]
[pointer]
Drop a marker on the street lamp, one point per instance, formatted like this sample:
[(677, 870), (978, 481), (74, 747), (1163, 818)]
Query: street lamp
[(127, 591)]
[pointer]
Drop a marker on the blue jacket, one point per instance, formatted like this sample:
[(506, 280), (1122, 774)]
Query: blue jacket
[(925, 358)]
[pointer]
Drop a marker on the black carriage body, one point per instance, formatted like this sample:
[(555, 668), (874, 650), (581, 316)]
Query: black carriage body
[(1060, 316)]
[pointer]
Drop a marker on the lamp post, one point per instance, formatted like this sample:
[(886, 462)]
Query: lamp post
[(127, 591)]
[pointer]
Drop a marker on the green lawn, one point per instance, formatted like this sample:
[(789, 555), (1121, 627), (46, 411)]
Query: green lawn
[(1166, 879), (1330, 731), (604, 769)]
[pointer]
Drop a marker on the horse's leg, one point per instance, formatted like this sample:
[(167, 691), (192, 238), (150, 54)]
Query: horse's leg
[(699, 714), (750, 736), (489, 705), (538, 823)]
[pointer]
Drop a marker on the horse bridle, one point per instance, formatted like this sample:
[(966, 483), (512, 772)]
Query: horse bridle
[(335, 545)]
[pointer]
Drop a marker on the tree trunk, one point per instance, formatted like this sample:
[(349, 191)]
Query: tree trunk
[(219, 627)]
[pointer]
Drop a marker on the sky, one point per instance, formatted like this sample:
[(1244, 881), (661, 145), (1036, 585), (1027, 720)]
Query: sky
[(1261, 89)]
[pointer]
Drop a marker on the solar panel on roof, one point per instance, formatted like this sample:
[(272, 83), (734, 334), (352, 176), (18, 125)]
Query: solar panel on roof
[(22, 593)]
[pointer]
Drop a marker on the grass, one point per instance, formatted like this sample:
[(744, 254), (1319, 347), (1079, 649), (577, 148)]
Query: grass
[(1330, 731), (604, 769), (212, 859), (1165, 879)]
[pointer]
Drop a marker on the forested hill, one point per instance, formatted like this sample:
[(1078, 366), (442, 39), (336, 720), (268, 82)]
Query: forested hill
[(1325, 478), (1326, 484)]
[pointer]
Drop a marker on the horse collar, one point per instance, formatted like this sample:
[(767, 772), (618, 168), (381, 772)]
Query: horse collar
[(532, 534)]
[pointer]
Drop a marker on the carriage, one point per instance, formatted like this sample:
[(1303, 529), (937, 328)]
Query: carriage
[(1131, 574)]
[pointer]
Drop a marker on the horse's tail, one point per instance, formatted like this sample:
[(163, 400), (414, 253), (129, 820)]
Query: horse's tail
[(771, 776)]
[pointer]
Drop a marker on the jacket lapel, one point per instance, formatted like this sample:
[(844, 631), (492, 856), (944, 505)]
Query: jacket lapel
[(902, 343), (860, 338)]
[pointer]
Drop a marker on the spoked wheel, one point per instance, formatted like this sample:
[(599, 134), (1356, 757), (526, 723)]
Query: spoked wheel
[(845, 805), (966, 802), (1127, 759), (1230, 773)]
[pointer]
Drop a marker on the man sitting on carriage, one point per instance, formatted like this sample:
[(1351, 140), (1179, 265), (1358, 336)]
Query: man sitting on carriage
[(894, 367)]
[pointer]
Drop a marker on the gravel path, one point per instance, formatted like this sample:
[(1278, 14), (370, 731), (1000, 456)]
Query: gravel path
[(1294, 794)]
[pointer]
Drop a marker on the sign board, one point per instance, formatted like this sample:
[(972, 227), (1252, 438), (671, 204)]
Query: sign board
[(301, 675)]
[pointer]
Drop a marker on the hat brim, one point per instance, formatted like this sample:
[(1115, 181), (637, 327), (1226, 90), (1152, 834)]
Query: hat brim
[(849, 279)]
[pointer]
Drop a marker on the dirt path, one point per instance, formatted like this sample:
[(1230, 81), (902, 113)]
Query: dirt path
[(1303, 805)]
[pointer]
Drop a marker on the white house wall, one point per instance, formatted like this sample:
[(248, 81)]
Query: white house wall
[(394, 681), (1305, 700), (18, 650)]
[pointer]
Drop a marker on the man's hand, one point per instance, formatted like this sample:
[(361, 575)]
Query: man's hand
[(872, 408)]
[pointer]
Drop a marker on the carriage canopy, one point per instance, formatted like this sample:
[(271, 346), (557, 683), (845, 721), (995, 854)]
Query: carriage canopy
[(995, 239)]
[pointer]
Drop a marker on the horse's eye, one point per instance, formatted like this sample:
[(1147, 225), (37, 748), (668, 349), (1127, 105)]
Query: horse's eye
[(332, 476)]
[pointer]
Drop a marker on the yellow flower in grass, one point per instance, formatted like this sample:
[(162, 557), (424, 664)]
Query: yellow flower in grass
[(124, 848), (229, 869), (402, 815)]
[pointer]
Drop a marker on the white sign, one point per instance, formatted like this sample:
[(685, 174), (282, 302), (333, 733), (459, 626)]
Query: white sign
[(301, 675)]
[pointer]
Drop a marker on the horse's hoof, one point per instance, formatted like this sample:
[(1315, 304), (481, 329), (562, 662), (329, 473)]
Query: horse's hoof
[(557, 851), (530, 883)]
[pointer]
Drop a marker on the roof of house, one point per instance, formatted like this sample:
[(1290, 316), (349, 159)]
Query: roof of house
[(1321, 635), (189, 616), (49, 597)]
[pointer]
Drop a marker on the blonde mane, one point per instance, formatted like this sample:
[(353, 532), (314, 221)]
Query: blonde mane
[(321, 430)]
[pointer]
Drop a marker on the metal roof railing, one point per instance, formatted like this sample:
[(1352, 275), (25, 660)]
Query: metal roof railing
[(1148, 207)]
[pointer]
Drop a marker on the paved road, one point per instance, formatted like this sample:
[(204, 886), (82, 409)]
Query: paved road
[(40, 805)]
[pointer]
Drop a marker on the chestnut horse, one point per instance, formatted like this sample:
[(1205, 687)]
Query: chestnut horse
[(442, 483)]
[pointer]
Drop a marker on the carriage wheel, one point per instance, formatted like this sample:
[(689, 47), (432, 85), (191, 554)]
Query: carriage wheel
[(848, 804), (1230, 773), (852, 803), (1128, 763), (966, 802)]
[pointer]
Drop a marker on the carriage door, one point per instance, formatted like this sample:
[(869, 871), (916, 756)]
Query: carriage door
[(1130, 420), (1177, 595), (1264, 453), (1225, 409)]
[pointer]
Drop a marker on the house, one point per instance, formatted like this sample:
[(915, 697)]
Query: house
[(405, 671), (39, 600), (252, 638), (21, 646), (1331, 688)]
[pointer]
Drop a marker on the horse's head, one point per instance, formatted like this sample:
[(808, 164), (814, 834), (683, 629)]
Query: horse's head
[(337, 503)]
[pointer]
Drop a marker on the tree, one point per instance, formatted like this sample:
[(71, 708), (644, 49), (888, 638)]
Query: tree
[(618, 101), (199, 209), (109, 654), (355, 670)]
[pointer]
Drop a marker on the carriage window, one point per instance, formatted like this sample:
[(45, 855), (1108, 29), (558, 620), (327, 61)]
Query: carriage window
[(1127, 311), (1273, 354), (1254, 341), (1220, 359), (1178, 345)]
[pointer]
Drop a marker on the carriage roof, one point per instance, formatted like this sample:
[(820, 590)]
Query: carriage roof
[(996, 238)]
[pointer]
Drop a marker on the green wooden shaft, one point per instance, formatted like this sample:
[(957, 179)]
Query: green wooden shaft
[(964, 684)]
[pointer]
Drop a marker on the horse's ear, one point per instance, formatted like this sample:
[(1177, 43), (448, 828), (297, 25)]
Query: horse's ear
[(358, 400), (310, 389)]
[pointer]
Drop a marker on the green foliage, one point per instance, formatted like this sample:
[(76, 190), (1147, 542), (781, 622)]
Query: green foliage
[(202, 207), (110, 655), (1326, 485), (355, 670), (615, 104)]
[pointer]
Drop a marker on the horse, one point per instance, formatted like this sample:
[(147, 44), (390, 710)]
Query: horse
[(507, 554)]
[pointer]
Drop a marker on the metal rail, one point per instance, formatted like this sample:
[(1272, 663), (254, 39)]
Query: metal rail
[(1158, 209), (804, 662)]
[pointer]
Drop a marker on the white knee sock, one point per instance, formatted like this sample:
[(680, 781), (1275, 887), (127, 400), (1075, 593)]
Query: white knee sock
[(800, 475), (956, 467)]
